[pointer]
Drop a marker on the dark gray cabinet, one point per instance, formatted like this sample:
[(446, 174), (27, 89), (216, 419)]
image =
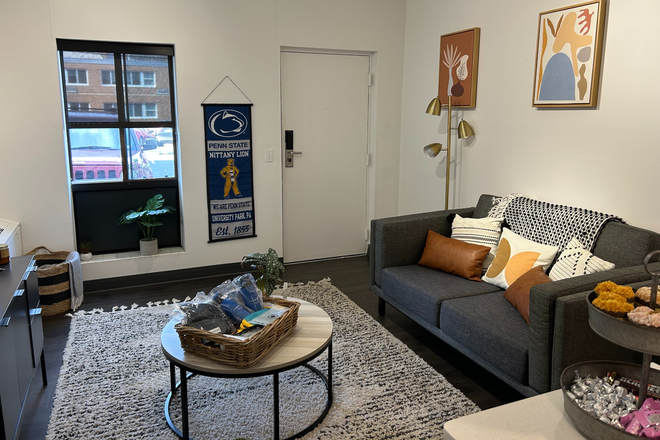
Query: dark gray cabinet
[(21, 341)]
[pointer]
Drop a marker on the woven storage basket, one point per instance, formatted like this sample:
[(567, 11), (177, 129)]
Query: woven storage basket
[(231, 351), (54, 286)]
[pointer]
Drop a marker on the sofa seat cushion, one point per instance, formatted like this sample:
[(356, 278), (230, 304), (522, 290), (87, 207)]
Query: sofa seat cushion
[(421, 291), (491, 327)]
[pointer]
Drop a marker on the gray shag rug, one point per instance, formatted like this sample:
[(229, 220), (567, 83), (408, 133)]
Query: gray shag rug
[(114, 381)]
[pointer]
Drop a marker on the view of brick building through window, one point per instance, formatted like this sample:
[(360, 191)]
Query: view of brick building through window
[(98, 96), (90, 80)]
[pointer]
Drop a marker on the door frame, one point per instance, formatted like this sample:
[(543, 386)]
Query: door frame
[(371, 134)]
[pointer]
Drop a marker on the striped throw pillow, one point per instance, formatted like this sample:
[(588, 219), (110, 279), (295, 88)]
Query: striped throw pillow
[(575, 260), (482, 231)]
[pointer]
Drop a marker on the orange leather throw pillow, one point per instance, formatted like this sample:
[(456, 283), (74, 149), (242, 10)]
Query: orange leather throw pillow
[(453, 256), (518, 292)]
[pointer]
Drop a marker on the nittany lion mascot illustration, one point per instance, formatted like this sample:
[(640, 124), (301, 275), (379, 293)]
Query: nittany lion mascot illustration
[(230, 173)]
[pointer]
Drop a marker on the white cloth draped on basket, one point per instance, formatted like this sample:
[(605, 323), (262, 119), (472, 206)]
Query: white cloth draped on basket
[(75, 279)]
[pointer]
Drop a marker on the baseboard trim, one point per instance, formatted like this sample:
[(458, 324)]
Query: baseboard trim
[(219, 270)]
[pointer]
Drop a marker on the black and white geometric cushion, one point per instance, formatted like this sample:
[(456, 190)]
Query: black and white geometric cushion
[(575, 260)]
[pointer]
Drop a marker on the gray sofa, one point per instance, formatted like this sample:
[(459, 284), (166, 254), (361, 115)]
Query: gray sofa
[(475, 318)]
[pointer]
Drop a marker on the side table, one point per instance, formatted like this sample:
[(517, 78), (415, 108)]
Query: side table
[(310, 338), (538, 417)]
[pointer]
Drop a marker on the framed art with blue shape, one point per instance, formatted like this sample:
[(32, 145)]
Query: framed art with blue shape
[(568, 56)]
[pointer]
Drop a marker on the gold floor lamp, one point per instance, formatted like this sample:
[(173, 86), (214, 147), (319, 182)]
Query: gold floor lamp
[(464, 132)]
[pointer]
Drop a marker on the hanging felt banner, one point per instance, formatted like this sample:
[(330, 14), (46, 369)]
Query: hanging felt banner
[(229, 171)]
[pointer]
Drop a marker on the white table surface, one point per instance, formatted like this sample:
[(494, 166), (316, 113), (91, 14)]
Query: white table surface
[(538, 417)]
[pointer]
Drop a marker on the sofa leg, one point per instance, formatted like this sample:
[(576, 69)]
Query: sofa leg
[(381, 306)]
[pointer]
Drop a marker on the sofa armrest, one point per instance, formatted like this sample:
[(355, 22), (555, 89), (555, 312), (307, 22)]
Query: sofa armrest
[(399, 241), (542, 314), (574, 341)]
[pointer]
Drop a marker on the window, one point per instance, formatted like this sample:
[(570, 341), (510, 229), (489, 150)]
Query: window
[(78, 106), (121, 100), (147, 111), (76, 77), (110, 107), (141, 79), (118, 100), (108, 77)]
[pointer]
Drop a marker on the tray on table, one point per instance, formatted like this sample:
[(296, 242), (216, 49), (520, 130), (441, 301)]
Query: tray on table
[(236, 352)]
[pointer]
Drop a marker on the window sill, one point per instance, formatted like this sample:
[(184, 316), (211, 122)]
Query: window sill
[(135, 254)]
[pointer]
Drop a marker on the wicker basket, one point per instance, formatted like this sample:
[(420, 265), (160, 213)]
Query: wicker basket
[(231, 351), (54, 287)]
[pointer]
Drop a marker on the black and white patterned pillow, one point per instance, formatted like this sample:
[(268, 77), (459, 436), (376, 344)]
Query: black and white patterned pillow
[(575, 260)]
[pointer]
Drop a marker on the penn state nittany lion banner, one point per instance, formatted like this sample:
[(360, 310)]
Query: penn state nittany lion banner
[(229, 171)]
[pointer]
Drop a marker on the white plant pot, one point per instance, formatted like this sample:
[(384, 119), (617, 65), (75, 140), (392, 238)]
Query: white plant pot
[(149, 247), (86, 256)]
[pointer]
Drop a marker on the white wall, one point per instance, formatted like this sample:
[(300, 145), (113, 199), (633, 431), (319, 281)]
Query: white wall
[(605, 159), (213, 39)]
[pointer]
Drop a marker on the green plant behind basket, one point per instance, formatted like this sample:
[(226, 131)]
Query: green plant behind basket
[(147, 218), (269, 267), (85, 247)]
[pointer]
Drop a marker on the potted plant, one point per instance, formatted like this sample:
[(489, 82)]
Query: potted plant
[(85, 250), (147, 219), (269, 268)]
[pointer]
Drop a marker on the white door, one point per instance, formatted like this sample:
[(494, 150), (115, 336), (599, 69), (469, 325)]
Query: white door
[(325, 102)]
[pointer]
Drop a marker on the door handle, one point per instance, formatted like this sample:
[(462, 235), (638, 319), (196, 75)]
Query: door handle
[(288, 149)]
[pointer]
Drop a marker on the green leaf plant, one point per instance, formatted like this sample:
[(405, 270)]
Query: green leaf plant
[(147, 218), (269, 268), (85, 247)]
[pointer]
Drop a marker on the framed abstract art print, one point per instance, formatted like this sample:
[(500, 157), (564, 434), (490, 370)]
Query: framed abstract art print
[(568, 55), (459, 59)]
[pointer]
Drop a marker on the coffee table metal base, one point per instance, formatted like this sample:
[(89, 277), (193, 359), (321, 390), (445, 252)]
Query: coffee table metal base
[(186, 374)]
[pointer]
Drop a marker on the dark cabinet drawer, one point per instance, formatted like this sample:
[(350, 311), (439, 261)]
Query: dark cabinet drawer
[(36, 335), (11, 401), (20, 325)]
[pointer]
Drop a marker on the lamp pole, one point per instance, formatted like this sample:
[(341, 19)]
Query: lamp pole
[(448, 151)]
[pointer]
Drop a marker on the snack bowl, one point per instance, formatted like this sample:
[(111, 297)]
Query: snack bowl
[(623, 332), (588, 424)]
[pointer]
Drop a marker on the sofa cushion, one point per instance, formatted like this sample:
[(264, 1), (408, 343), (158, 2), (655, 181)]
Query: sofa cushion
[(421, 291), (575, 260), (518, 292), (637, 242), (453, 256), (489, 326), (515, 256)]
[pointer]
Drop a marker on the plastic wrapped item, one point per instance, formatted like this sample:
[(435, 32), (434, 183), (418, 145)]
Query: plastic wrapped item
[(228, 295), (252, 296), (205, 314), (234, 309), (639, 422)]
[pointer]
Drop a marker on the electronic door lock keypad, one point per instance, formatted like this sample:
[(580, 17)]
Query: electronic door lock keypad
[(288, 149)]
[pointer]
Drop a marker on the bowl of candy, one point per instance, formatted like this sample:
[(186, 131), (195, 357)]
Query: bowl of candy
[(601, 399)]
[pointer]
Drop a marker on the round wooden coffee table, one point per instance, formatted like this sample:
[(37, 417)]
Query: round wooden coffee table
[(311, 336)]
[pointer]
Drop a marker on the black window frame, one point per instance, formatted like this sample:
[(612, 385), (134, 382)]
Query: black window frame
[(123, 119), (89, 198)]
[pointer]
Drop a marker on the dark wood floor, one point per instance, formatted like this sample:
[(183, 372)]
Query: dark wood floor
[(350, 275)]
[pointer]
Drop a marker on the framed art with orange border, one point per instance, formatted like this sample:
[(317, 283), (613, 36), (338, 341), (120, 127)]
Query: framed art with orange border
[(459, 60), (569, 49)]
